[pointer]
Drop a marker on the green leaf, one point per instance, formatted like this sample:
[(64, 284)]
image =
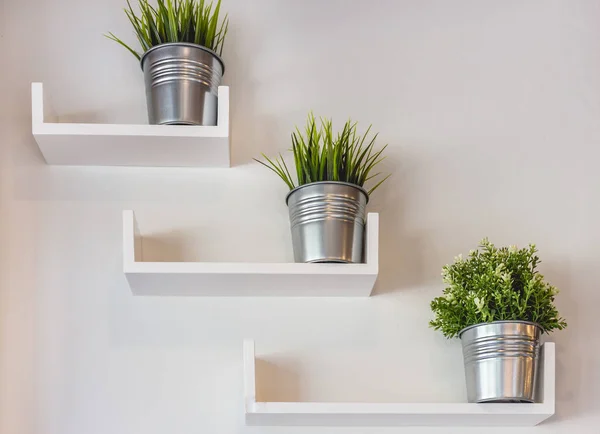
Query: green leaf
[(114, 38), (378, 184)]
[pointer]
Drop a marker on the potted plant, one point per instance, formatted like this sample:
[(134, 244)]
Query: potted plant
[(182, 42), (498, 304), (327, 200)]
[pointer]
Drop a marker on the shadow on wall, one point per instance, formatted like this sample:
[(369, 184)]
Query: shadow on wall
[(402, 250), (252, 133), (277, 380), (165, 247)]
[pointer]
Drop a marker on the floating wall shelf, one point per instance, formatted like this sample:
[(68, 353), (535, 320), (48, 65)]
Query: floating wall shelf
[(130, 145), (404, 414), (216, 279)]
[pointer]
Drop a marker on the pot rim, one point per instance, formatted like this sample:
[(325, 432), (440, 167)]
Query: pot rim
[(500, 322), (348, 184), (185, 44)]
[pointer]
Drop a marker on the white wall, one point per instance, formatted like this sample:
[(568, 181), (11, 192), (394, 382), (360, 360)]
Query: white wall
[(492, 113)]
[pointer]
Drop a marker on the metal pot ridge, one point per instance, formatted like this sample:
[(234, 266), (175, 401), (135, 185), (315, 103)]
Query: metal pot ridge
[(327, 220), (182, 82), (501, 361)]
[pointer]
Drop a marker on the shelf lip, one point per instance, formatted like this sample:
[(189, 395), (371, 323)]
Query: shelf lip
[(129, 130), (373, 408), (257, 268), (397, 414)]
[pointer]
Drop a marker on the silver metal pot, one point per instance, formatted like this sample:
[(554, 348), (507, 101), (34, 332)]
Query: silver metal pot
[(182, 81), (327, 221), (501, 361)]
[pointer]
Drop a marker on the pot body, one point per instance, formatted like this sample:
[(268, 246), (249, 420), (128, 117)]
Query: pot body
[(182, 82), (501, 361), (327, 220)]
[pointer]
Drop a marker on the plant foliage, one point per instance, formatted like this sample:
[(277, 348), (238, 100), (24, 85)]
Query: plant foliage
[(193, 21), (321, 155), (495, 284)]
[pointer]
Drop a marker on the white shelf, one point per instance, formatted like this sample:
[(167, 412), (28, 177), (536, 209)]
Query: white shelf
[(402, 414), (214, 279), (130, 145)]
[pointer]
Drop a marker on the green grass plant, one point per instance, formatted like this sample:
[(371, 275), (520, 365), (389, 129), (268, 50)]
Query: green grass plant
[(322, 155), (191, 21)]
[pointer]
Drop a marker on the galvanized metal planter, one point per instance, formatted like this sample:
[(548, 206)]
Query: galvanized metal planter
[(182, 81), (501, 361), (327, 221)]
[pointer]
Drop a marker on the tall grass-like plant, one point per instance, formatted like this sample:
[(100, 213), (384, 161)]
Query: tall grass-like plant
[(495, 284), (192, 21), (322, 155)]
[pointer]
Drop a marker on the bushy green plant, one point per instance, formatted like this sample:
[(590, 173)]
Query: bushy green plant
[(193, 21), (495, 284), (320, 155)]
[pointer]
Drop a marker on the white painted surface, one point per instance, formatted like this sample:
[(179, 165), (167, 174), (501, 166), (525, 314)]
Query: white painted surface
[(84, 144), (247, 279), (492, 115), (398, 414)]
